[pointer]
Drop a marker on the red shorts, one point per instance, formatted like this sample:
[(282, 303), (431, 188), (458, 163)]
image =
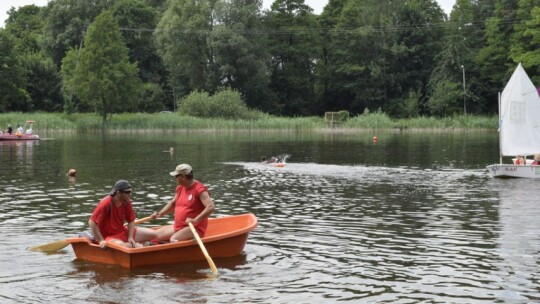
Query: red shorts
[(122, 236)]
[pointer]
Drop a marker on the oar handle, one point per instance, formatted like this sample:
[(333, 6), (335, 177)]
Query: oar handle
[(203, 249), (143, 220)]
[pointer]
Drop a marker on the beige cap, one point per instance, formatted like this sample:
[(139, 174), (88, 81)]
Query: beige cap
[(182, 169)]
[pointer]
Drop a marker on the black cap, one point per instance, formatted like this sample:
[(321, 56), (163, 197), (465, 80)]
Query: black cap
[(120, 185)]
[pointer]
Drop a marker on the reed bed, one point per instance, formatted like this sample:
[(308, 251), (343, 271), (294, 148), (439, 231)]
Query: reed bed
[(88, 122)]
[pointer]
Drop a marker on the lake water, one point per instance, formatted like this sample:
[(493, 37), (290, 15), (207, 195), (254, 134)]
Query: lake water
[(412, 218)]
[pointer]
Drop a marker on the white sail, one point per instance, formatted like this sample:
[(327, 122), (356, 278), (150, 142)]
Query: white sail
[(520, 116)]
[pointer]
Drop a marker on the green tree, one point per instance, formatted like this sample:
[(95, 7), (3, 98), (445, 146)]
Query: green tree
[(66, 22), (446, 77), (26, 26), (182, 37), (13, 95), (468, 20), (493, 59), (43, 83), (444, 98), (526, 38), (294, 48), (239, 46), (42, 79), (137, 21), (104, 78), (357, 71), (414, 53)]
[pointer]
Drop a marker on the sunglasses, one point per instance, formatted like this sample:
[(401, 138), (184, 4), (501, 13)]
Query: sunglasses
[(179, 175), (127, 192)]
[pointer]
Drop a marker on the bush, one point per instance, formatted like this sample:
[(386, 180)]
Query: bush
[(343, 115), (226, 103)]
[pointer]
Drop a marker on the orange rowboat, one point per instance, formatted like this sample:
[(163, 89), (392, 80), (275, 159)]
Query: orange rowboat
[(225, 237)]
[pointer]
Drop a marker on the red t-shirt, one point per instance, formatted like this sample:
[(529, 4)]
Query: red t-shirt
[(188, 204), (110, 219)]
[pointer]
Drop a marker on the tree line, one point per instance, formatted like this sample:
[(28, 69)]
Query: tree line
[(405, 58)]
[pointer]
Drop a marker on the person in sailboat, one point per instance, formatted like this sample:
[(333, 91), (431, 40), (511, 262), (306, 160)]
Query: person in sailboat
[(536, 161), (520, 160)]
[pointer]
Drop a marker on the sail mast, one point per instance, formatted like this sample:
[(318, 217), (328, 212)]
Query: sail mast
[(500, 126)]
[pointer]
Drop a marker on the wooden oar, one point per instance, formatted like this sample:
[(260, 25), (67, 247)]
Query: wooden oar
[(59, 245), (203, 249)]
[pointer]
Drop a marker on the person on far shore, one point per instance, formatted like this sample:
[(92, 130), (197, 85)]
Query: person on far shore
[(20, 130), (191, 203), (9, 129), (107, 220)]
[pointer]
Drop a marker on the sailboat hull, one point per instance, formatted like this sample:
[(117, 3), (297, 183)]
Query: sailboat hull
[(508, 170)]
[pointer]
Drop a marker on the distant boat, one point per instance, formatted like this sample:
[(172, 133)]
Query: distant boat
[(20, 136), (519, 126), (6, 136)]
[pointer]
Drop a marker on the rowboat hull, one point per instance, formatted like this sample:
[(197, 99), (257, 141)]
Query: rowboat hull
[(509, 170), (225, 237), (6, 136)]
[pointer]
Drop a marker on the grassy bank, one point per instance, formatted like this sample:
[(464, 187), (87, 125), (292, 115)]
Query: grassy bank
[(172, 121)]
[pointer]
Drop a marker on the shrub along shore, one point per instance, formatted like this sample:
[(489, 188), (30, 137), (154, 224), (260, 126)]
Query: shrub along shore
[(136, 122)]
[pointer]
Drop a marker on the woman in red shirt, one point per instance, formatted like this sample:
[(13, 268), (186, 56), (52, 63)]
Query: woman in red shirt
[(191, 203)]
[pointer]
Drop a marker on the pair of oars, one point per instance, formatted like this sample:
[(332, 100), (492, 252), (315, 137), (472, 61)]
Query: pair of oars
[(59, 245)]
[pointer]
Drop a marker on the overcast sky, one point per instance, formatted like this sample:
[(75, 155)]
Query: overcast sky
[(317, 5)]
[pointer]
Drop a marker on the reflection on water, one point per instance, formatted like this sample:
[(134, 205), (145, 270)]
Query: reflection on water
[(332, 227)]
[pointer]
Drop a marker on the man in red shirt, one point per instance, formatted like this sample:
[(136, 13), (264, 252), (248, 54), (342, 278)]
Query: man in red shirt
[(107, 220), (191, 203)]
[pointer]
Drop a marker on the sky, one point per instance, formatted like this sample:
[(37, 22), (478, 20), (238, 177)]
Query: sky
[(317, 5)]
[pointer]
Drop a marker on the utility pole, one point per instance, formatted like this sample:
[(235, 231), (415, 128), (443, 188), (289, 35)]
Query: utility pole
[(464, 92)]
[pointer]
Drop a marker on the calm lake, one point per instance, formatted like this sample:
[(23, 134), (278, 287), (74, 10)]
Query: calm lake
[(412, 218)]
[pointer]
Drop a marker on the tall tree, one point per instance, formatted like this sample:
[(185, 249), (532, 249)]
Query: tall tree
[(26, 26), (526, 38), (445, 78), (239, 46), (13, 95), (358, 65), (66, 22), (294, 47), (493, 59), (137, 21), (419, 31), (104, 78), (468, 20), (182, 36), (43, 82)]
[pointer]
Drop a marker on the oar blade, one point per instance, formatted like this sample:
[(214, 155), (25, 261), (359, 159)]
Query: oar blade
[(50, 247)]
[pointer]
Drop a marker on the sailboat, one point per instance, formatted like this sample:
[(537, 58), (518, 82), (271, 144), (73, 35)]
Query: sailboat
[(519, 126)]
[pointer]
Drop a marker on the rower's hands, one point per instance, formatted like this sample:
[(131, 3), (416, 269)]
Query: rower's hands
[(103, 244), (154, 215), (190, 220)]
